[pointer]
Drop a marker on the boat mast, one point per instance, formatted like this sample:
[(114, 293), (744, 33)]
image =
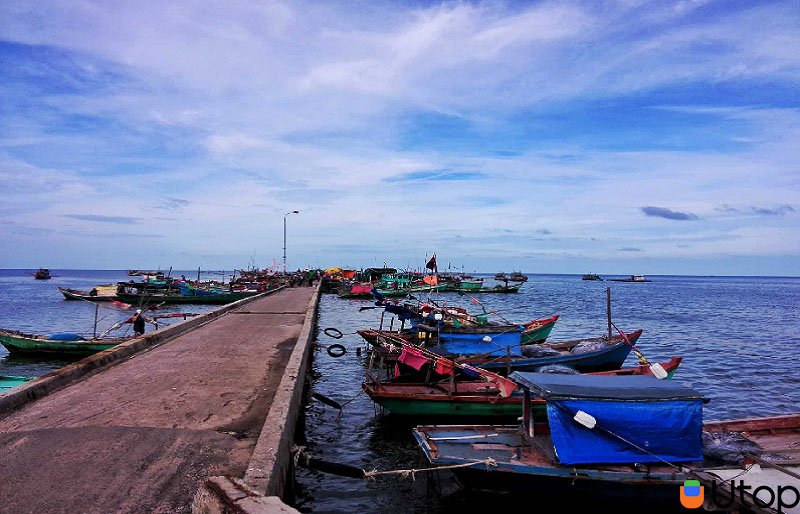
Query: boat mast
[(608, 310)]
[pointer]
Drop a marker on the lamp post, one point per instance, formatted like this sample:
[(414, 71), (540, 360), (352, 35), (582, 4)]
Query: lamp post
[(284, 237)]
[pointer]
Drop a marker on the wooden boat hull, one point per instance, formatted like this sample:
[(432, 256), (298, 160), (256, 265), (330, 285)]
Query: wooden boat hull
[(19, 343), (607, 359), (518, 471), (471, 398), (211, 299), (497, 289), (540, 332), (508, 463), (396, 293), (75, 294)]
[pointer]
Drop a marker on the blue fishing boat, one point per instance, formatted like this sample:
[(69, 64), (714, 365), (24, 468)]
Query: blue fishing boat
[(605, 436), (584, 355)]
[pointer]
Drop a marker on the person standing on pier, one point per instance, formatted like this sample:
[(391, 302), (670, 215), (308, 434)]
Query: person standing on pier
[(138, 323)]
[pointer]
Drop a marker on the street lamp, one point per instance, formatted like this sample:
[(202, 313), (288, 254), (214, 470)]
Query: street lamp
[(284, 237)]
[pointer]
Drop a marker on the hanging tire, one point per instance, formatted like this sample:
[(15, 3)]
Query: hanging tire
[(333, 332), (336, 350)]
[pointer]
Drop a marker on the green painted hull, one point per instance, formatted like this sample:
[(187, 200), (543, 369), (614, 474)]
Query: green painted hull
[(215, 299), (8, 382), (17, 343), (409, 407), (405, 292), (538, 335)]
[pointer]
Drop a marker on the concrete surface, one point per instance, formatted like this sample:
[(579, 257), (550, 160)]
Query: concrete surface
[(144, 435)]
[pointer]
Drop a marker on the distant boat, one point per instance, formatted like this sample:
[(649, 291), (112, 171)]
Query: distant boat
[(97, 294), (592, 276), (9, 382), (42, 274), (632, 278), (518, 276)]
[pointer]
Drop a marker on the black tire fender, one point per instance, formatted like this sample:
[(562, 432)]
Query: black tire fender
[(336, 350), (333, 332)]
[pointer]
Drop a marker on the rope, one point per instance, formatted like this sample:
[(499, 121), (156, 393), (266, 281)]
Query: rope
[(405, 473)]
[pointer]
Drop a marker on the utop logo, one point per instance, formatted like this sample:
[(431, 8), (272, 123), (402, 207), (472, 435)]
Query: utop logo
[(692, 494)]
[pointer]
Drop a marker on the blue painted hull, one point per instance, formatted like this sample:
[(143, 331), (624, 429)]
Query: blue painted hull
[(609, 358)]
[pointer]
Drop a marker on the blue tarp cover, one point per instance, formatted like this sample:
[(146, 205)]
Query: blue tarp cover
[(670, 430), (473, 344), (661, 417), (637, 387), (66, 336)]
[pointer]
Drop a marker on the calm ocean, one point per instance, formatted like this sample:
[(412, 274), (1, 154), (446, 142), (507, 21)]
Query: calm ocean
[(739, 337)]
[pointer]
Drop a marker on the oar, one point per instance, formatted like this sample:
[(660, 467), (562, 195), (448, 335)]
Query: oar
[(656, 368)]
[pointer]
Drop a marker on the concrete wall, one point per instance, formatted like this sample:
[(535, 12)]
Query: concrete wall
[(269, 465)]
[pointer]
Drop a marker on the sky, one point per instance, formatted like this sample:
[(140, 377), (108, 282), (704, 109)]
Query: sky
[(615, 137)]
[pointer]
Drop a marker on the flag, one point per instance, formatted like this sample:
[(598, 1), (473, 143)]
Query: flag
[(431, 263)]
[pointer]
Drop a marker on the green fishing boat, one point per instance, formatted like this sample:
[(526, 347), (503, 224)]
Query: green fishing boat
[(63, 345), (197, 299), (9, 382)]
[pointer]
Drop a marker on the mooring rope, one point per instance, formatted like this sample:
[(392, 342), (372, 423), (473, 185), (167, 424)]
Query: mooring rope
[(301, 457), (405, 473)]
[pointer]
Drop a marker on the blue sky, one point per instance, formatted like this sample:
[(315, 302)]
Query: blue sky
[(554, 137)]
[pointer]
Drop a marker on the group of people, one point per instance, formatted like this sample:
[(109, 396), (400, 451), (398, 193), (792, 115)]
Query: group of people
[(303, 278)]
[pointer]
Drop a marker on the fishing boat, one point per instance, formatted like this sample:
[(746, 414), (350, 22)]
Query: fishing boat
[(9, 382), (605, 436), (518, 276), (499, 288), (42, 274), (632, 278), (96, 294), (355, 290), (172, 297), (63, 344), (592, 276), (584, 355), (534, 331), (621, 439), (442, 396)]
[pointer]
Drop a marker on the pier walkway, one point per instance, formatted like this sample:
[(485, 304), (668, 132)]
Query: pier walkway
[(144, 434)]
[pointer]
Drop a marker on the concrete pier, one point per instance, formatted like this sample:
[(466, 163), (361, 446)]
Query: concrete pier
[(149, 432)]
